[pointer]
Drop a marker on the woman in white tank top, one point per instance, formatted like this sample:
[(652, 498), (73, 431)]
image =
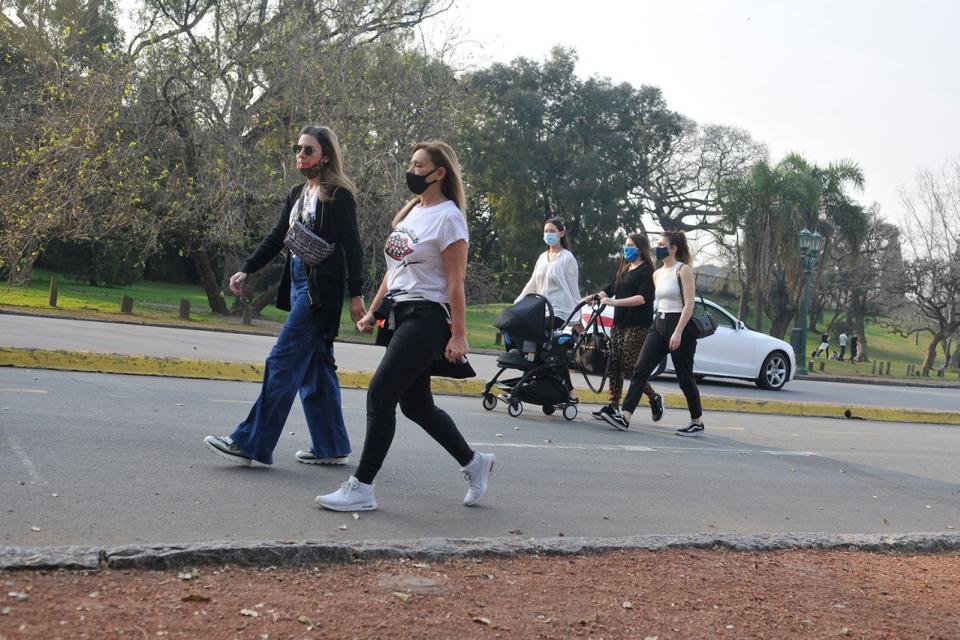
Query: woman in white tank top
[(675, 293)]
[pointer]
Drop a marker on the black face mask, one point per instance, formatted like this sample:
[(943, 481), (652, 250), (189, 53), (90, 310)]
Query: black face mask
[(418, 184), (312, 172)]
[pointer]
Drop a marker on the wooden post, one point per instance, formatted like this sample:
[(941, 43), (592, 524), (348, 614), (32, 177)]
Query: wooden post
[(821, 365), (888, 367), (126, 304), (54, 290), (873, 371), (184, 309), (498, 338), (248, 314)]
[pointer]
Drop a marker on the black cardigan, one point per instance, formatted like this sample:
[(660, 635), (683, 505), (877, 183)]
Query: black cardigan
[(638, 281), (325, 281)]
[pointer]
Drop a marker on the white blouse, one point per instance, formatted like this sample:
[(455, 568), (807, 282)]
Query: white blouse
[(557, 281)]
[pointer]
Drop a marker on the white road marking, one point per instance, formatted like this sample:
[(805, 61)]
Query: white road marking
[(230, 401), (28, 463), (9, 390), (633, 447)]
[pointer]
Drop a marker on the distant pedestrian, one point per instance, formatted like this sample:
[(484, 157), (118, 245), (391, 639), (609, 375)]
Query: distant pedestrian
[(842, 340), (854, 348), (426, 255), (824, 349), (302, 358), (556, 274)]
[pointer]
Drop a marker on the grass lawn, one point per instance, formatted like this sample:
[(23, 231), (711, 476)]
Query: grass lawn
[(158, 303)]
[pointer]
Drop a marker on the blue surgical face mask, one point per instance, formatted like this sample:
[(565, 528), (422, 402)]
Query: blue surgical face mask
[(662, 252), (630, 253), (551, 238)]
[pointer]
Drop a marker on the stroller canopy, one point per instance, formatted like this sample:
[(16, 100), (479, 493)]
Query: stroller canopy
[(526, 319)]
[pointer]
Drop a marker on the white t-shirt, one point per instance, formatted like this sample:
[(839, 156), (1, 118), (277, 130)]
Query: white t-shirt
[(557, 281), (413, 251)]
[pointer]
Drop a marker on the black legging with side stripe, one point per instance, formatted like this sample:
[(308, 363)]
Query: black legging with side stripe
[(655, 348)]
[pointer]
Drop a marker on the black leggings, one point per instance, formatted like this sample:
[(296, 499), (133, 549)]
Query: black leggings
[(420, 338), (655, 348)]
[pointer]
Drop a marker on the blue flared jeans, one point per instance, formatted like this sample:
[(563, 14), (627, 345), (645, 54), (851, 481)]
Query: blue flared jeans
[(301, 360)]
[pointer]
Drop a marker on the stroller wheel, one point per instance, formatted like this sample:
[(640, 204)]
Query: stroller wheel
[(489, 401), (570, 411), (515, 409), (548, 409)]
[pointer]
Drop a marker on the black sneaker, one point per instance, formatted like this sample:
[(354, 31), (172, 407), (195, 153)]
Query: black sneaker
[(227, 449), (691, 430), (615, 420), (656, 407), (606, 409)]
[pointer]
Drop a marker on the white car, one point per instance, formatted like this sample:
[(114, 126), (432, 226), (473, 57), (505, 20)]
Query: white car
[(734, 351)]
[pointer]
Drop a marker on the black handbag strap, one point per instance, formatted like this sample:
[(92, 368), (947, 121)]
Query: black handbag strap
[(680, 284), (595, 325)]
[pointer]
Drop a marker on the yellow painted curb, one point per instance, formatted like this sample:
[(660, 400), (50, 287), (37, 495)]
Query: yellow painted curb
[(252, 372)]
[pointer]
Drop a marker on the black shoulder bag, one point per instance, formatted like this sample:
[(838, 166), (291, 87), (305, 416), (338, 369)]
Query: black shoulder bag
[(703, 325)]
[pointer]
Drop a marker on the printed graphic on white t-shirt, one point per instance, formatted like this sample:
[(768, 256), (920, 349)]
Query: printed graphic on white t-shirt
[(414, 250)]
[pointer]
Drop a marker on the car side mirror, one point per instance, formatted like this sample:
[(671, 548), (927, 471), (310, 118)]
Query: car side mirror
[(741, 325)]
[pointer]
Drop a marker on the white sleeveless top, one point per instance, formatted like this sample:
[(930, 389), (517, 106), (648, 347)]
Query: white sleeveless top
[(668, 290)]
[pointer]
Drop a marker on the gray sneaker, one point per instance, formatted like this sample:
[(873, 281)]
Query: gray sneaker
[(352, 495), (227, 449), (307, 457)]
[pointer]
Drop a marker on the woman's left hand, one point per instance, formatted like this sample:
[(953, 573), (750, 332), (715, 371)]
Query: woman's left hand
[(357, 309), (607, 301), (456, 349)]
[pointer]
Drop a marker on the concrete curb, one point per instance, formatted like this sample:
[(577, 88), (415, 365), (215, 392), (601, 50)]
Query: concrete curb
[(252, 372), (322, 552)]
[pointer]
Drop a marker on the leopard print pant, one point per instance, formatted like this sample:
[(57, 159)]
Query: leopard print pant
[(625, 345)]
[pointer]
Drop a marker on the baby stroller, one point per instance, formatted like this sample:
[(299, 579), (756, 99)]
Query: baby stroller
[(542, 353)]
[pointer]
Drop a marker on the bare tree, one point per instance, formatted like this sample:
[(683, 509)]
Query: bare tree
[(932, 272)]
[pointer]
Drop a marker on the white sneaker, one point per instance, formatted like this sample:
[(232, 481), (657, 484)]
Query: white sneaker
[(477, 474), (352, 495), (307, 457)]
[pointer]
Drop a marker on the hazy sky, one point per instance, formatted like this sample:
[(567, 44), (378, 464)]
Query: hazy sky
[(875, 82)]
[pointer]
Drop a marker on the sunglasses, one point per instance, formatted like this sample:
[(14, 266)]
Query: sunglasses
[(307, 149)]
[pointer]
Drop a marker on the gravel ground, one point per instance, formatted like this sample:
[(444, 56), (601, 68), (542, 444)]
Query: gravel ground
[(623, 594)]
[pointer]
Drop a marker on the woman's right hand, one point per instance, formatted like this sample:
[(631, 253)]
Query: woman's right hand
[(236, 282), (367, 323)]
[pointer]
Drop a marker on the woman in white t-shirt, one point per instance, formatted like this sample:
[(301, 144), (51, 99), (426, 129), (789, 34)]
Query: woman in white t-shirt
[(556, 274), (422, 301)]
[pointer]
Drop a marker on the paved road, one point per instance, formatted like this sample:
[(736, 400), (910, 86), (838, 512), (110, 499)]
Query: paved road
[(123, 455), (52, 333)]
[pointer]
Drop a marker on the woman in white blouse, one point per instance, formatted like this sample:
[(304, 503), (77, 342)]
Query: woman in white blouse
[(556, 274)]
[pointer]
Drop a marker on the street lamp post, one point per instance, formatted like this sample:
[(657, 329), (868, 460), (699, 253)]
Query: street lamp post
[(811, 243)]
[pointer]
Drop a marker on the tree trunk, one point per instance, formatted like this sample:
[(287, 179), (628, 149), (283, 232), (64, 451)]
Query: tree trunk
[(954, 363), (758, 312), (743, 308), (265, 298), (931, 356), (208, 280)]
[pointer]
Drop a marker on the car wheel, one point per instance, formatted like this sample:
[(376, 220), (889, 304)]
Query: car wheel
[(774, 372), (660, 369)]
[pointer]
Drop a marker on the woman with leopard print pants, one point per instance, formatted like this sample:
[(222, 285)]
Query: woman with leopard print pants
[(631, 294)]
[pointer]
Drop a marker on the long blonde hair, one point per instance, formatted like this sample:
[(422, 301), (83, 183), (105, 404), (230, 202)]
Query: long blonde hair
[(442, 155), (332, 173)]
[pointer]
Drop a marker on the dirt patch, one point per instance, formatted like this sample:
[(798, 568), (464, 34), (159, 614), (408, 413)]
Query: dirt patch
[(636, 594)]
